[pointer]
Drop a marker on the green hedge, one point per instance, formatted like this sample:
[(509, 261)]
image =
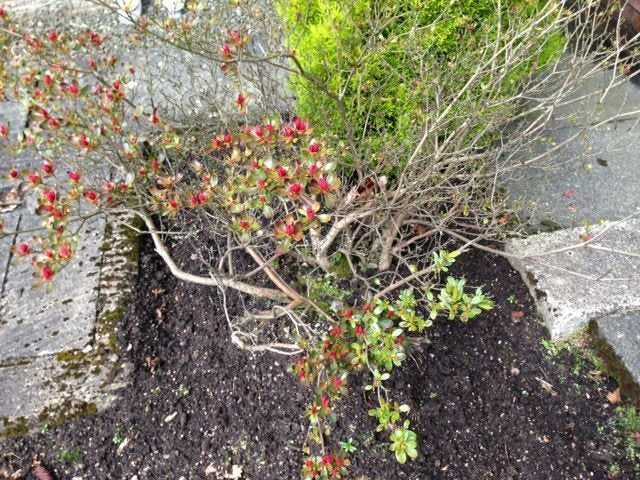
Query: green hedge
[(382, 88)]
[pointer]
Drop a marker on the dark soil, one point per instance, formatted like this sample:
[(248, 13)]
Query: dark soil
[(476, 392)]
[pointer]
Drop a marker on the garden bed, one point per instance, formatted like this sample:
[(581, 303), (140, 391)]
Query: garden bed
[(486, 399)]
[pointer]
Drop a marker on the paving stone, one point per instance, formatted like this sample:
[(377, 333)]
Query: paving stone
[(622, 332), (594, 176), (36, 322), (575, 286)]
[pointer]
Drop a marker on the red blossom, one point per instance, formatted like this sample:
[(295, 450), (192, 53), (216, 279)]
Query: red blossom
[(173, 204), (228, 139), (311, 213), (74, 176), (91, 196), (244, 225), (64, 252), (325, 402), (34, 179), (48, 168), (47, 273), (338, 382), (348, 313), (301, 125), (54, 123), (50, 196), (323, 184), (261, 184), (336, 331), (288, 134), (95, 39), (359, 330), (93, 64), (282, 172), (73, 89), (3, 12), (226, 51), (23, 249), (53, 36), (314, 148), (14, 174), (47, 80), (295, 189), (327, 460), (4, 130), (258, 131), (313, 169), (154, 118), (241, 101), (290, 229)]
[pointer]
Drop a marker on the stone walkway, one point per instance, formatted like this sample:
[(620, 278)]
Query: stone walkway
[(590, 189)]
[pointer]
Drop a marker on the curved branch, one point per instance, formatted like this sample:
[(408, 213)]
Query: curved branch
[(216, 281)]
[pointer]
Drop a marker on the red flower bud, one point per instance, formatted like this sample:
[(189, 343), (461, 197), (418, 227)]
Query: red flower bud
[(325, 402), (73, 89), (65, 251), (47, 273), (4, 130), (258, 132), (14, 174), (74, 177), (288, 133), (261, 184), (53, 36), (3, 12), (202, 198), (311, 213), (327, 460), (47, 80), (226, 51), (95, 39), (93, 64), (34, 179), (241, 101), (323, 184), (282, 172), (295, 188), (54, 123), (91, 196), (301, 125), (290, 229), (48, 168), (359, 330), (23, 249), (50, 196), (228, 139), (314, 169), (117, 85), (314, 148), (244, 225)]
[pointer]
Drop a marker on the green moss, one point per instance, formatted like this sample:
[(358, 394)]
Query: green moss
[(14, 428)]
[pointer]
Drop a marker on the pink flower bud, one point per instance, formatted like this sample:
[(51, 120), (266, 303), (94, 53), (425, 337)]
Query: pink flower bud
[(314, 148), (290, 229), (91, 196), (323, 184), (295, 188), (23, 249), (311, 213), (47, 273), (50, 196), (74, 177), (34, 179), (65, 251), (282, 172), (48, 168), (300, 124)]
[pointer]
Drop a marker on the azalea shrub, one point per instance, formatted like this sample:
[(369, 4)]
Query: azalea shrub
[(272, 189)]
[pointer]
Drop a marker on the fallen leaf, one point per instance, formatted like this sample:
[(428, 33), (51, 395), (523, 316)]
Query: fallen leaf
[(236, 473), (614, 397), (517, 315), (547, 386), (170, 417)]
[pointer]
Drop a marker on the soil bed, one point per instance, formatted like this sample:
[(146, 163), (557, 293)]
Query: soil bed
[(477, 395)]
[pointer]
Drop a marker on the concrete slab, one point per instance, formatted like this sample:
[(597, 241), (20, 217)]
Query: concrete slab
[(575, 286), (622, 332), (37, 322), (595, 177)]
